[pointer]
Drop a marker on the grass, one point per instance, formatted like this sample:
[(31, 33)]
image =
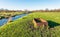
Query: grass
[(22, 27), (8, 14)]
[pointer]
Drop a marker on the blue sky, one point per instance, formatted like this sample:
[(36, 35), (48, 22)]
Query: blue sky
[(29, 4)]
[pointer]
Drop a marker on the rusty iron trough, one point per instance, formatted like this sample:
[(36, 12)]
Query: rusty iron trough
[(39, 22)]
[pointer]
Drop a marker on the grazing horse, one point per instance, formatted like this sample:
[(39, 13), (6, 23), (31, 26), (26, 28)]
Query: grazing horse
[(39, 22)]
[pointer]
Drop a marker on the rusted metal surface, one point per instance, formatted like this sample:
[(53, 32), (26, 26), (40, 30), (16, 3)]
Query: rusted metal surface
[(40, 22)]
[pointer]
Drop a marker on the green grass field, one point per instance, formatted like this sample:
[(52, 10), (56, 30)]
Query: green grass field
[(21, 27)]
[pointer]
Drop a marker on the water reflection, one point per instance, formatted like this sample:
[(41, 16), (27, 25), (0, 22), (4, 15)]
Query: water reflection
[(3, 21)]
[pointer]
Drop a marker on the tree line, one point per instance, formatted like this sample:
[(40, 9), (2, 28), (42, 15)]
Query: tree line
[(46, 10)]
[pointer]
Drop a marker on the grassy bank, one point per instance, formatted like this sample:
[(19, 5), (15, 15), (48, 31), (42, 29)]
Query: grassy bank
[(22, 27), (8, 14)]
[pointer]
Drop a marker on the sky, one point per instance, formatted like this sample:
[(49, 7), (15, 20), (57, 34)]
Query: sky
[(29, 4)]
